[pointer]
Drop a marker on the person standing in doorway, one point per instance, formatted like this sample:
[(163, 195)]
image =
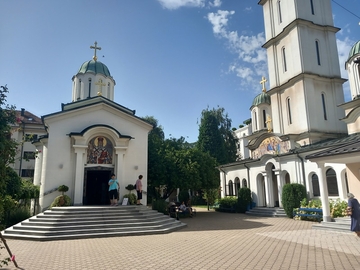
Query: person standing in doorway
[(354, 212), (139, 190), (113, 190)]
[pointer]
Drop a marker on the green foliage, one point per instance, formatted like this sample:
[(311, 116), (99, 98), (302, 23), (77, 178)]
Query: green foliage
[(12, 183), (28, 190), (63, 189), (174, 163), (338, 208), (216, 136), (132, 198), (61, 200), (292, 195), (130, 187), (244, 199), (227, 202), (211, 195), (18, 214), (184, 196), (160, 206)]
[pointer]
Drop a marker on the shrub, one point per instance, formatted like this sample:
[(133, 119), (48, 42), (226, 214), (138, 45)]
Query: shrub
[(62, 200), (17, 215), (160, 205), (63, 189), (292, 195), (130, 187), (337, 208), (244, 199), (131, 197), (228, 201)]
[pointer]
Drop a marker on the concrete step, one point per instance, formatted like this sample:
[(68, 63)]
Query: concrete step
[(62, 223), (339, 224), (267, 212)]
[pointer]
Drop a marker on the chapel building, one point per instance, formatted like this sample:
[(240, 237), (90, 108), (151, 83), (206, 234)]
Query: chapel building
[(88, 140)]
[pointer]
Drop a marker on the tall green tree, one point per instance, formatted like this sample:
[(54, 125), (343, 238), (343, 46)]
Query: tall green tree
[(216, 136), (8, 146)]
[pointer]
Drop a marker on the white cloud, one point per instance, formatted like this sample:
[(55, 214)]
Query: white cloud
[(175, 4), (251, 62), (216, 3), (248, 8)]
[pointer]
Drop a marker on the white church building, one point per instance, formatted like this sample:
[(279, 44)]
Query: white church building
[(300, 121), (88, 140)]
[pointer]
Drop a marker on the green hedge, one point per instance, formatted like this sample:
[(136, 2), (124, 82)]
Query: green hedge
[(292, 195)]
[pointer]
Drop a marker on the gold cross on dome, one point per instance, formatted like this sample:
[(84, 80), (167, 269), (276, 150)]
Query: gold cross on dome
[(100, 84), (263, 81), (95, 48)]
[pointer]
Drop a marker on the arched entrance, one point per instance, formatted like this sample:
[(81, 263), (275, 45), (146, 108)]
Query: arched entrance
[(96, 186)]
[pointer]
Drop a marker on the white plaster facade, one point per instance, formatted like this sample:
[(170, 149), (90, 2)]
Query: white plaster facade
[(88, 140), (305, 93)]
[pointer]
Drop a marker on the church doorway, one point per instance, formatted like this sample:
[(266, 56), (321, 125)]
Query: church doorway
[(96, 186)]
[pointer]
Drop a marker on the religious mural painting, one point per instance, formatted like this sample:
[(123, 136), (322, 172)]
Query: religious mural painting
[(100, 151), (272, 146)]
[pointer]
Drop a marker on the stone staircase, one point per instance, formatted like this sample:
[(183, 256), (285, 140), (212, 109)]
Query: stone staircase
[(267, 212), (339, 224), (61, 223)]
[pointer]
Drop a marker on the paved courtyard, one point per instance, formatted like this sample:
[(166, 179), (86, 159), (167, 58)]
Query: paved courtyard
[(211, 240)]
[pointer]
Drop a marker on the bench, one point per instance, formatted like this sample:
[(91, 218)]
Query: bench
[(309, 212), (175, 212)]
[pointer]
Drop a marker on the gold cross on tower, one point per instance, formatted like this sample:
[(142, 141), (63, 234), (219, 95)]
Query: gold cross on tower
[(263, 81), (100, 84), (95, 48)]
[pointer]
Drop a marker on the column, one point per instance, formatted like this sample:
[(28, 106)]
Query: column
[(34, 208), (79, 174), (268, 193), (119, 169), (324, 193), (43, 176), (279, 182)]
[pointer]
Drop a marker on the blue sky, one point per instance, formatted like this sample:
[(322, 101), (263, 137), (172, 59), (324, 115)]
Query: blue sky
[(170, 58)]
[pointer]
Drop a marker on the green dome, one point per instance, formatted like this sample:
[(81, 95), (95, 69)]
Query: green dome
[(95, 67), (261, 98), (354, 50)]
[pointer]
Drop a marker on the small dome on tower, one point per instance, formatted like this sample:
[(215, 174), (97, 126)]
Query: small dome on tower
[(94, 67), (354, 50), (263, 97)]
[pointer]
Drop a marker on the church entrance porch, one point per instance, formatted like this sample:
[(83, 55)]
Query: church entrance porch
[(96, 186)]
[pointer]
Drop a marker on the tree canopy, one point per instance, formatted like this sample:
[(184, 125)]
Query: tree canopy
[(216, 136), (174, 163)]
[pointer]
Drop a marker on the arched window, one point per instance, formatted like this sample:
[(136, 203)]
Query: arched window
[(244, 183), (288, 107), (279, 10), (346, 183), (287, 178), (317, 52), (255, 118), (312, 7), (284, 58), (108, 90), (324, 105), (89, 88), (264, 118), (332, 183), (315, 185), (79, 90), (231, 188), (237, 185)]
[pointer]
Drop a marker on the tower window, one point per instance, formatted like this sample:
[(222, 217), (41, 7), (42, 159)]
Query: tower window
[(255, 118), (284, 58), (289, 110), (279, 11), (312, 7), (264, 118), (89, 88), (323, 105), (317, 52)]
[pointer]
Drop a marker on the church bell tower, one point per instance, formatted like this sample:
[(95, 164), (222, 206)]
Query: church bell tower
[(304, 71)]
